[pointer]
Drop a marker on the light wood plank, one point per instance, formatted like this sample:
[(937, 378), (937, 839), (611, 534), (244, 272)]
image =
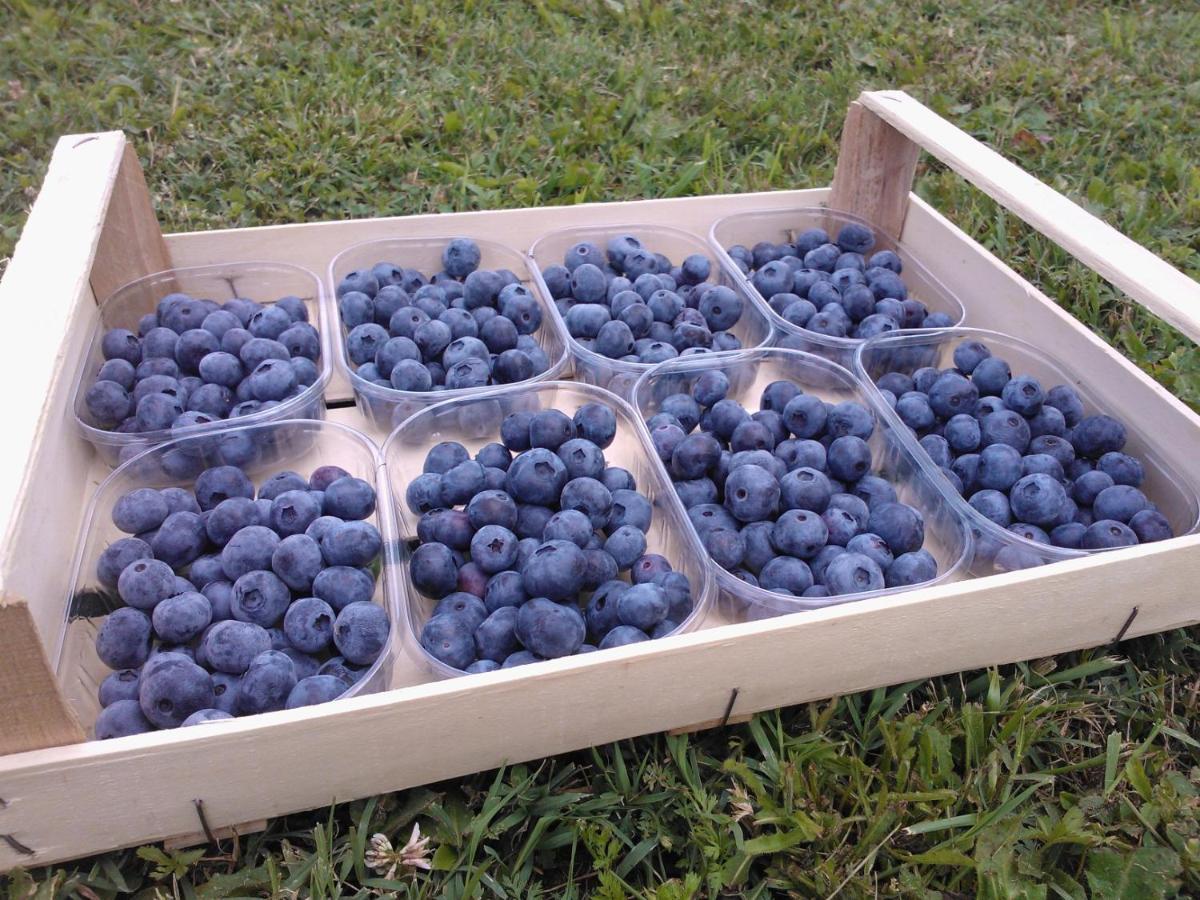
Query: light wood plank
[(451, 728), (875, 168), (1147, 278), (131, 241)]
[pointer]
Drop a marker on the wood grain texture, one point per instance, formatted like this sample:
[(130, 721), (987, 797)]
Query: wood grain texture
[(131, 242), (33, 715), (875, 169), (1147, 278), (474, 723)]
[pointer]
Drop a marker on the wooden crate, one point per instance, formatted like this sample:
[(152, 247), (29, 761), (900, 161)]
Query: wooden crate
[(93, 229)]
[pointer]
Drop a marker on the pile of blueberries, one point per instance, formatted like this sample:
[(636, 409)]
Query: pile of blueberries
[(274, 612), (1025, 457), (465, 328), (784, 498), (524, 547), (194, 361), (628, 303), (833, 288)]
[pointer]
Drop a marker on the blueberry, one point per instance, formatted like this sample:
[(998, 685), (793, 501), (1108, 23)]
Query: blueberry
[(1005, 428), (721, 308), (899, 524), (1064, 398), (360, 632), (351, 544), (1095, 436), (911, 568), (118, 343), (267, 684), (445, 456), (308, 624), (725, 547), (629, 508), (617, 479), (180, 618), (555, 570), (1043, 463), (840, 524), (805, 416), (643, 606), (495, 636), (313, 690), (990, 375), (123, 640), (970, 354), (1122, 468), (123, 718), (494, 549), (1030, 532), (248, 550), (805, 488), (799, 533), (785, 573), (1150, 525), (1120, 502), (433, 570), (650, 568), (171, 693), (1105, 534), (963, 434), (999, 467), (424, 493), (849, 458), (297, 560), (1068, 535), (537, 476), (220, 599), (340, 586), (952, 394), (548, 629), (1037, 499), (345, 672), (855, 238), (145, 583), (260, 597), (569, 525), (853, 573), (532, 520), (582, 458), (992, 505)]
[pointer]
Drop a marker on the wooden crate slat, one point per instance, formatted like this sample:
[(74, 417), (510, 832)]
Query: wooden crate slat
[(875, 168)]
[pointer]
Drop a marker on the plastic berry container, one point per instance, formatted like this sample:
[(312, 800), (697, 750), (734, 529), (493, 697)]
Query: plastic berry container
[(386, 407), (996, 548), (753, 329), (749, 372), (474, 422), (780, 225), (301, 445), (265, 282)]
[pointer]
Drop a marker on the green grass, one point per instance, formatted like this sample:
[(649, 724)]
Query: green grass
[(1066, 777)]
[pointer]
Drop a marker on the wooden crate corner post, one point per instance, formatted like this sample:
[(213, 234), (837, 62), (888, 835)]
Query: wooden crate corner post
[(875, 169)]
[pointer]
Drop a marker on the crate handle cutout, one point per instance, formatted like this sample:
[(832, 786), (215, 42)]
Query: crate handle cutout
[(884, 134)]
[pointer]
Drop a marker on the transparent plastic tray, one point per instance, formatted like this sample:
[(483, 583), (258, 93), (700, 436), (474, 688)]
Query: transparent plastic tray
[(780, 225), (997, 549), (753, 329), (475, 421), (946, 536), (301, 445), (387, 407), (265, 282)]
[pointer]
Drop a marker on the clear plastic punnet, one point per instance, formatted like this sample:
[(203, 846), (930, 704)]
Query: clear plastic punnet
[(782, 225), (474, 422), (996, 548), (753, 329), (387, 407), (265, 282), (749, 372), (260, 450)]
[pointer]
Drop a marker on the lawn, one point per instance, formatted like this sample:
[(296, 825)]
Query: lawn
[(1065, 777)]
